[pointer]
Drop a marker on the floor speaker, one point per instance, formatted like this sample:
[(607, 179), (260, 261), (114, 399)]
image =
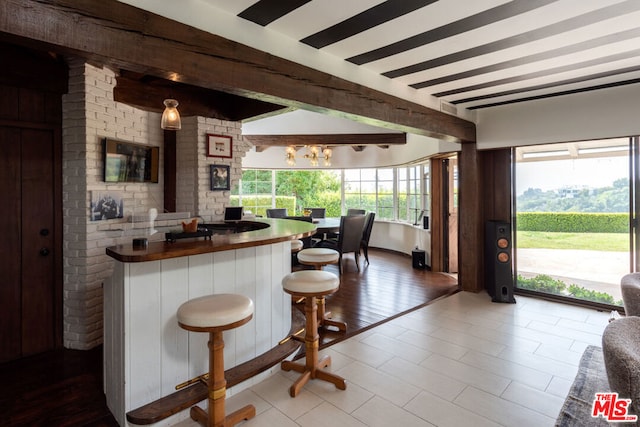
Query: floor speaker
[(419, 259), (498, 261)]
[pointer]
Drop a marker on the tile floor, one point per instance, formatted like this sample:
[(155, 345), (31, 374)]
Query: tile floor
[(461, 361)]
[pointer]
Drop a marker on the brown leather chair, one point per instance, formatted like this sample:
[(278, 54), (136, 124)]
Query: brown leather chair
[(276, 213), (316, 212), (349, 238), (366, 234), (351, 212)]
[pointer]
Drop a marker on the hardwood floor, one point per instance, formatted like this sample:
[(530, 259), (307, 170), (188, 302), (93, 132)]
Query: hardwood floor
[(386, 288), (58, 388), (64, 388)]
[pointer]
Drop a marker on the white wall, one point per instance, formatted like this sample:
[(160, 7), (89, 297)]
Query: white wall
[(400, 237), (599, 114), (193, 176), (89, 115)]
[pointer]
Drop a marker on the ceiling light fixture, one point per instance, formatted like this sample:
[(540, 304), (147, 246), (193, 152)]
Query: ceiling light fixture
[(327, 153), (313, 155), (170, 116), (290, 153)]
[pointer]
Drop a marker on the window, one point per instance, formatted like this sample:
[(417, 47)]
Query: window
[(392, 193), (426, 189), (572, 204), (254, 191), (360, 189), (385, 194), (409, 195)]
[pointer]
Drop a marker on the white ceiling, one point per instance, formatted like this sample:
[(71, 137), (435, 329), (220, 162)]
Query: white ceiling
[(473, 54)]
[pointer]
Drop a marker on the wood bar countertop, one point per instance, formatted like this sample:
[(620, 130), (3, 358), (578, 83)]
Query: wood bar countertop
[(278, 230)]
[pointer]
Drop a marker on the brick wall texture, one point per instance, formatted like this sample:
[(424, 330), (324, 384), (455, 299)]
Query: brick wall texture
[(90, 115)]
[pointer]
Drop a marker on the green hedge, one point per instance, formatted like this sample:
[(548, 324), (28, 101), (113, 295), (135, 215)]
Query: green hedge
[(573, 222)]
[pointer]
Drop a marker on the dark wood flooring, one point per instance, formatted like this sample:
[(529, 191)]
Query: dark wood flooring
[(64, 388), (386, 288)]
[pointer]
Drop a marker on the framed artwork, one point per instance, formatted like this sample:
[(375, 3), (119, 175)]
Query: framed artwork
[(106, 205), (220, 177), (218, 146), (129, 162)]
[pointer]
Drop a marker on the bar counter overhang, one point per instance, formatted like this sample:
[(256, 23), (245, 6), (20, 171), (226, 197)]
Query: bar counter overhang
[(146, 353)]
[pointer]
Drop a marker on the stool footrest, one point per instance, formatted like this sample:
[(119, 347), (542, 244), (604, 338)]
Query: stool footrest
[(314, 373), (200, 415)]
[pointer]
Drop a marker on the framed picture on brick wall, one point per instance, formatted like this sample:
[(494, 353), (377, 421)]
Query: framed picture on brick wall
[(129, 162), (219, 146), (106, 204), (220, 177)]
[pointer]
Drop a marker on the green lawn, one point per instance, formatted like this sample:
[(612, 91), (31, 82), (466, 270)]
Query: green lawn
[(609, 242)]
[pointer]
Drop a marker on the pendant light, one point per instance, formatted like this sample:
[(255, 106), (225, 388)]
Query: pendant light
[(170, 116)]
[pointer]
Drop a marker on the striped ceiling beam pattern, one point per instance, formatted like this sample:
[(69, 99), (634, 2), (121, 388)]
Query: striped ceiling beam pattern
[(469, 53)]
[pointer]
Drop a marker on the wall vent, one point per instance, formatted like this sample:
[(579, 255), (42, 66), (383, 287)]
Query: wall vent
[(448, 108)]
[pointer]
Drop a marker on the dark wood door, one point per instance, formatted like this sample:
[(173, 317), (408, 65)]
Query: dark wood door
[(31, 201), (28, 250)]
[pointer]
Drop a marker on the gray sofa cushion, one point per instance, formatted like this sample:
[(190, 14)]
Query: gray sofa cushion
[(621, 350), (630, 287)]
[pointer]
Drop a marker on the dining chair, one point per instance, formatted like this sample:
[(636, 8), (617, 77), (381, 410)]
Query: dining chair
[(351, 212), (316, 212), (276, 213), (349, 238), (366, 234)]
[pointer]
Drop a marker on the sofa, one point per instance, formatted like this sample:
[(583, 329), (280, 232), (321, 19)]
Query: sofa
[(630, 287), (621, 351)]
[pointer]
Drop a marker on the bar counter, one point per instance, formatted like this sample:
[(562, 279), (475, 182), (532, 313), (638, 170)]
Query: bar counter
[(146, 353), (277, 231)]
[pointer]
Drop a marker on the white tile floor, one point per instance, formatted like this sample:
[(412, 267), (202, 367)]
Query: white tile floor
[(462, 361)]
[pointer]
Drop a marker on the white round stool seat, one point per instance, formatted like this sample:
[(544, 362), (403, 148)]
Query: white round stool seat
[(212, 311), (318, 256), (310, 282), (296, 245)]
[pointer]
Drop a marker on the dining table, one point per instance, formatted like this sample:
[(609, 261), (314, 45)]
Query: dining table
[(326, 225)]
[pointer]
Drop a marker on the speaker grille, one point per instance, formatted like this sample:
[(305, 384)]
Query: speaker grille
[(498, 266)]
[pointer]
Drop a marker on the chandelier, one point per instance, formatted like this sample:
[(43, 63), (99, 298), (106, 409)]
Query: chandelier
[(313, 155)]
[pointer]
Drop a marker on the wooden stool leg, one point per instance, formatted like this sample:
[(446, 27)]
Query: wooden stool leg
[(323, 316), (217, 385), (312, 367), (323, 319)]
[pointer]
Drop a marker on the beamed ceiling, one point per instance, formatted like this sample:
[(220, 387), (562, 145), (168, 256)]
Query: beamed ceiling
[(472, 54), (430, 55), (144, 91)]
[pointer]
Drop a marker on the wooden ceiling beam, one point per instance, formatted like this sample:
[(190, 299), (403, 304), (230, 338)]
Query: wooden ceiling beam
[(332, 140), (148, 93), (130, 38)]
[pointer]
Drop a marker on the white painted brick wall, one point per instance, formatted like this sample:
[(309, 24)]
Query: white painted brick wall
[(193, 187), (89, 115)]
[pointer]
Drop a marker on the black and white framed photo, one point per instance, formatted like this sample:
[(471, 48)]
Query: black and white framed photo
[(220, 177), (219, 146), (106, 205)]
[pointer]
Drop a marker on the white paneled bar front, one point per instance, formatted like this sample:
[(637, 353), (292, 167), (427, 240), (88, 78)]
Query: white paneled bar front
[(147, 354)]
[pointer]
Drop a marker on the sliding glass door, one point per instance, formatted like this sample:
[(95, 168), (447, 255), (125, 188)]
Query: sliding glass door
[(574, 204)]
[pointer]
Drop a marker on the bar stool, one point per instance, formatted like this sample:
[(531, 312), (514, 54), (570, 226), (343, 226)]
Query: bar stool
[(311, 284), (296, 246), (215, 314), (318, 258)]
